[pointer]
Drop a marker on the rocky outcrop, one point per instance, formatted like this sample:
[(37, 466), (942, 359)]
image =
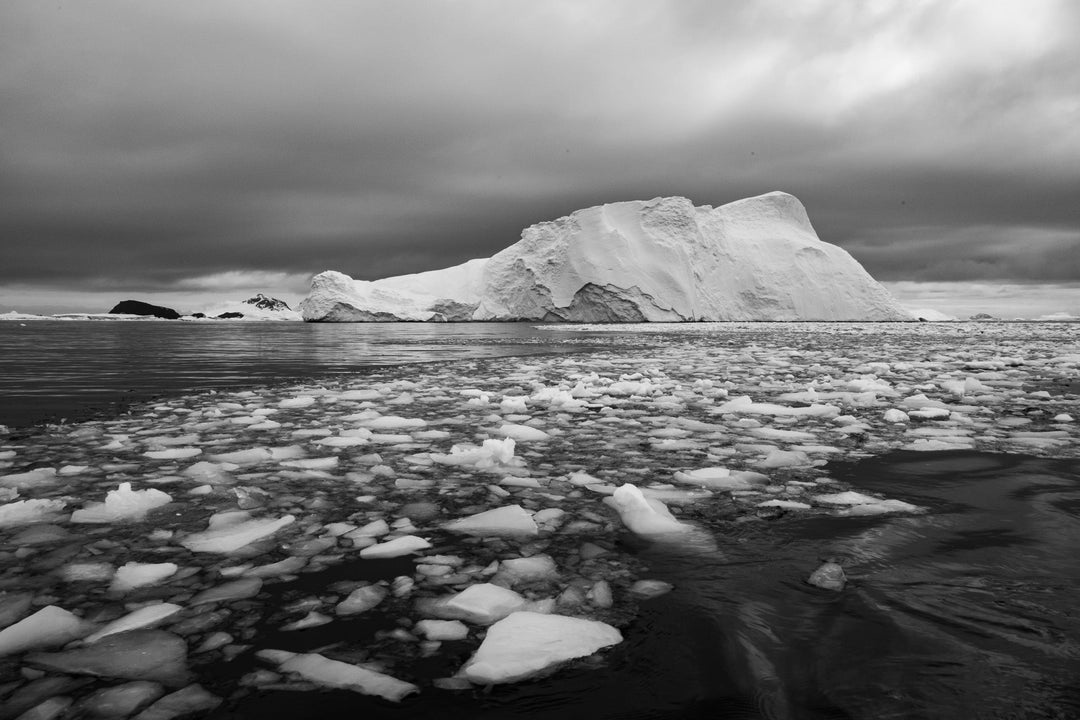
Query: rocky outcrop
[(264, 302), (656, 260), (137, 307)]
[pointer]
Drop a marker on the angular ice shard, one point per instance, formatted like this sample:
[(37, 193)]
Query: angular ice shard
[(135, 655), (394, 548), (336, 674), (526, 643), (645, 516), (656, 260), (25, 512), (134, 574), (481, 604), (492, 455), (144, 617), (233, 530), (48, 627), (123, 503), (511, 520)]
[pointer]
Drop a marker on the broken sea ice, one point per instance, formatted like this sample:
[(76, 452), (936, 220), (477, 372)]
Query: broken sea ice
[(123, 503), (336, 674), (231, 531)]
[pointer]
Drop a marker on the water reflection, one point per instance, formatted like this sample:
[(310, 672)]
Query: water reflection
[(52, 370)]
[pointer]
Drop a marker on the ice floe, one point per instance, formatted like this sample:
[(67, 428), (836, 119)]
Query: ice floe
[(524, 644)]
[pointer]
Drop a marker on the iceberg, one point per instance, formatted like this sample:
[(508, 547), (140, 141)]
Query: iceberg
[(661, 260)]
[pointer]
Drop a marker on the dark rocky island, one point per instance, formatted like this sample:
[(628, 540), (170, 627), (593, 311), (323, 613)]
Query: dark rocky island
[(137, 307)]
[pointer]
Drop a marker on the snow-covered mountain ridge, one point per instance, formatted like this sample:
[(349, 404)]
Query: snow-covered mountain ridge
[(657, 260)]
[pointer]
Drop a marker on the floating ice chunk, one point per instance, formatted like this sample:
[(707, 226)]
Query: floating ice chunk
[(340, 441), (921, 401), (87, 572), (493, 454), (153, 655), (360, 395), (361, 600), (144, 617), (403, 545), (720, 478), (785, 504), (336, 674), (793, 436), (30, 479), (643, 515), (522, 433), (443, 629), (312, 619), (1063, 418), (648, 589), (929, 413), (778, 458), (282, 567), (859, 504), (123, 503), (134, 574), (882, 507), (182, 703), (25, 512), (830, 576), (231, 531), (743, 405), (511, 520), (514, 571), (179, 453), (48, 627), (121, 701), (892, 415), (251, 456), (526, 643), (556, 399), (300, 401), (846, 498), (321, 463), (481, 604), (394, 422), (514, 404)]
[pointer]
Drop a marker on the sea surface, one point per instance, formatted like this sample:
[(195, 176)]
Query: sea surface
[(960, 601), (70, 370)]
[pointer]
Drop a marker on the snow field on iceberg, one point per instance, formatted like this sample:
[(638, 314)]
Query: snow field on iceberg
[(477, 515)]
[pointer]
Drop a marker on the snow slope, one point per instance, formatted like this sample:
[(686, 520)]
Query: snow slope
[(656, 260)]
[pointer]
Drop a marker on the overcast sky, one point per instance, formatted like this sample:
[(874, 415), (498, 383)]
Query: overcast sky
[(196, 149)]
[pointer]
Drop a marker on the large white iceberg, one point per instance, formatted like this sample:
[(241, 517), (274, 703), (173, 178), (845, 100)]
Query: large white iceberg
[(656, 260)]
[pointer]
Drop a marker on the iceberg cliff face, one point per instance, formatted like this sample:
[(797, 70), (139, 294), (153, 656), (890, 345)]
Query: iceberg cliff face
[(656, 260)]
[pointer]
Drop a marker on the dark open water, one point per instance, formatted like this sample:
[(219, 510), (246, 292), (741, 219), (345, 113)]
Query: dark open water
[(969, 611), (55, 370)]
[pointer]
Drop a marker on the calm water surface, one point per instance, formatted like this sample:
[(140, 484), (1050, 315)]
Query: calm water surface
[(52, 370)]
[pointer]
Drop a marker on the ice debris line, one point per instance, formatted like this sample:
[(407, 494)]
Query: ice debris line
[(661, 260), (466, 511)]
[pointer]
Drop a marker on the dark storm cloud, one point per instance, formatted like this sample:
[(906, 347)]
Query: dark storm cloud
[(149, 143)]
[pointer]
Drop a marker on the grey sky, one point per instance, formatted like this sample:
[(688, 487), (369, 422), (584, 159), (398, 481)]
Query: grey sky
[(150, 145)]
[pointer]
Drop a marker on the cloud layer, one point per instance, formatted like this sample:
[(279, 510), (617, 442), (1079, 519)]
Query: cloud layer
[(146, 144)]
